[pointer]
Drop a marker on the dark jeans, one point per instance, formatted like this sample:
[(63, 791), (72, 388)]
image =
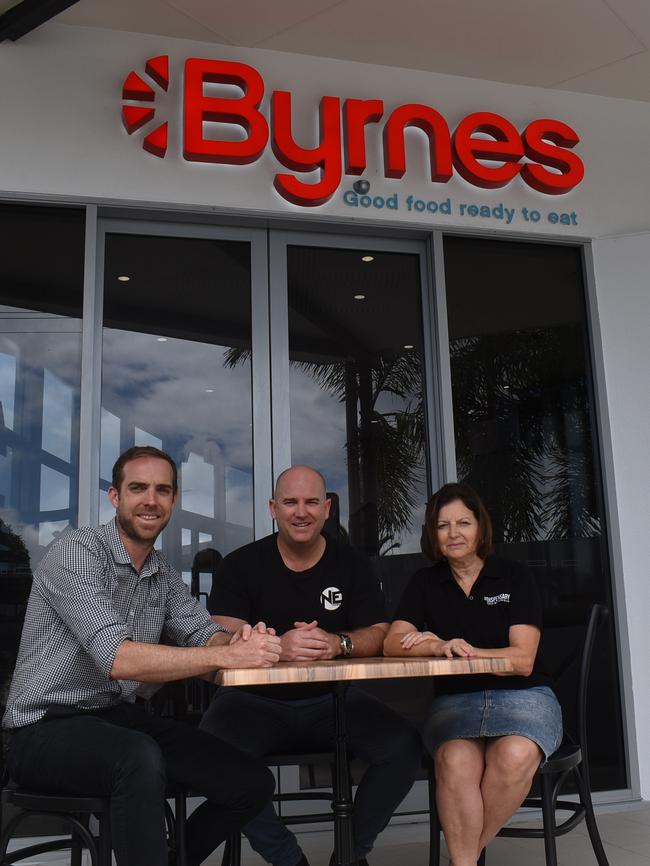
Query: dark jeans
[(376, 734), (129, 755)]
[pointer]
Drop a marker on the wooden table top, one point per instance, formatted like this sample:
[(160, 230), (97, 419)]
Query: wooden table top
[(338, 670)]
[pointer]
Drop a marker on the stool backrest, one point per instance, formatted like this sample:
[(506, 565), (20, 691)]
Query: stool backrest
[(573, 635), (206, 560)]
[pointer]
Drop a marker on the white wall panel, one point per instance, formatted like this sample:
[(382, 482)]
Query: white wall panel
[(622, 269)]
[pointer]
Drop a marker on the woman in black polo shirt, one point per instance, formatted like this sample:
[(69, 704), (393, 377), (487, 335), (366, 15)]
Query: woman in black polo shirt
[(487, 732)]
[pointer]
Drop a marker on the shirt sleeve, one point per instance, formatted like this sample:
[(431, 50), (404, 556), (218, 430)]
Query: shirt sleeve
[(525, 603), (187, 622), (228, 596), (412, 605), (367, 602), (73, 578)]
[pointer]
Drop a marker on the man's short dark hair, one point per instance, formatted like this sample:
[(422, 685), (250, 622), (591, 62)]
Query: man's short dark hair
[(470, 499), (141, 451)]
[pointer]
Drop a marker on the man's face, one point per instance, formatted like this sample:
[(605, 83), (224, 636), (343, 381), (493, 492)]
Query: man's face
[(300, 508), (145, 500)]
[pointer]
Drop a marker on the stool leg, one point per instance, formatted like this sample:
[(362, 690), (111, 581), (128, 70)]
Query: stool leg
[(180, 810), (232, 850), (548, 817), (236, 850), (76, 850), (105, 849), (590, 818), (76, 841), (434, 823)]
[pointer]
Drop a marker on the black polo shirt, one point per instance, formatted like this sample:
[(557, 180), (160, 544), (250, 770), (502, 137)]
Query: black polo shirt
[(341, 592), (503, 594)]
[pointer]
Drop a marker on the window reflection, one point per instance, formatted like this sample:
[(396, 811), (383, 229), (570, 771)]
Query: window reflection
[(526, 436), (109, 449), (168, 379), (357, 410), (58, 412), (141, 437), (197, 489), (41, 280), (39, 446), (55, 490), (7, 389)]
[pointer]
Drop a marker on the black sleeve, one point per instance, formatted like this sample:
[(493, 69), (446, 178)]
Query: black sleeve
[(229, 596), (412, 606), (367, 603), (525, 606)]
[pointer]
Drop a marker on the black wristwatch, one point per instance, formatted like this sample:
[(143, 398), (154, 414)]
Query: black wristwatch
[(346, 644)]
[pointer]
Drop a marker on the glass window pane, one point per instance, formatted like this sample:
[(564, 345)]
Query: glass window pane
[(177, 375), (7, 389), (357, 410), (526, 437), (41, 289), (58, 398), (110, 443)]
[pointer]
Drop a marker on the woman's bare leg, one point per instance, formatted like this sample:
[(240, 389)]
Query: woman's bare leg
[(510, 764), (460, 766)]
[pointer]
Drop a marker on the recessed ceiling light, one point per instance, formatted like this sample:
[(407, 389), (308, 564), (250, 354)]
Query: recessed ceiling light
[(124, 278), (359, 297), (408, 346), (161, 339), (209, 390), (367, 258)]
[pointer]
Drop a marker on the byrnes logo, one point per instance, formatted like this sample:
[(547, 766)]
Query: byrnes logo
[(331, 598), (485, 148)]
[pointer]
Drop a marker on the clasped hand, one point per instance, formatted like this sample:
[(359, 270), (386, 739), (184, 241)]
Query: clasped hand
[(307, 642), (255, 646)]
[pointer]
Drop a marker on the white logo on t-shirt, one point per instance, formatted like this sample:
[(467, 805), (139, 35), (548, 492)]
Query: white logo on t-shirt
[(496, 599), (331, 598)]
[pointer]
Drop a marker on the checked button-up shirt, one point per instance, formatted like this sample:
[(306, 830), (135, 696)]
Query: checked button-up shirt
[(86, 599)]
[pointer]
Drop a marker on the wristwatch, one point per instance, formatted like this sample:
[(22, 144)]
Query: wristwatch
[(346, 644)]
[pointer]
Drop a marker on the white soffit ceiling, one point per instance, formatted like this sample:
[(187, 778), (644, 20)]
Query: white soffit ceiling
[(589, 46)]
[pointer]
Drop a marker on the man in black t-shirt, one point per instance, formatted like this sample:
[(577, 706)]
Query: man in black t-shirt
[(324, 601)]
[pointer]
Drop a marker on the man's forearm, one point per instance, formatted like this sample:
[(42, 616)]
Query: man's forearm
[(156, 663), (368, 641)]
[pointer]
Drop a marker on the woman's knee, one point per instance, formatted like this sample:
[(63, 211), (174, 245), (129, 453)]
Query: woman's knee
[(514, 757), (459, 761)]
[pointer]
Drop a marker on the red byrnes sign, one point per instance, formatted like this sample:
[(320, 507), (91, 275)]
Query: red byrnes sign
[(541, 154)]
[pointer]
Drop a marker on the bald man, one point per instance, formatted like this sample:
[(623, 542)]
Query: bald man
[(323, 599)]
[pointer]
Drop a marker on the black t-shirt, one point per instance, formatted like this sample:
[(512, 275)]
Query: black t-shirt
[(504, 594), (341, 592)]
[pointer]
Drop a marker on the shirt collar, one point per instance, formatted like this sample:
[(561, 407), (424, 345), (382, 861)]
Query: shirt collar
[(490, 569), (121, 556)]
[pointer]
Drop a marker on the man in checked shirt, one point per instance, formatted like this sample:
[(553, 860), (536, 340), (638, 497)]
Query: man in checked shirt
[(102, 598)]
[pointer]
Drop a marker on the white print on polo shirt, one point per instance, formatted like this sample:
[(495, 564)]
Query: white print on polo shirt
[(331, 598), (503, 597)]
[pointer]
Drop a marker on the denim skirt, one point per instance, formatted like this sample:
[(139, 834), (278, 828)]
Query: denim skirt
[(534, 713)]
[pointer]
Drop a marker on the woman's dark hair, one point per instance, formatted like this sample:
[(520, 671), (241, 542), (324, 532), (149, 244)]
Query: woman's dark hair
[(470, 499), (142, 451)]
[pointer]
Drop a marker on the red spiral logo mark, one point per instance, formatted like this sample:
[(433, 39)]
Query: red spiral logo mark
[(136, 89)]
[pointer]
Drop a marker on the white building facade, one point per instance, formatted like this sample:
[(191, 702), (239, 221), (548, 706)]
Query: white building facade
[(208, 167)]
